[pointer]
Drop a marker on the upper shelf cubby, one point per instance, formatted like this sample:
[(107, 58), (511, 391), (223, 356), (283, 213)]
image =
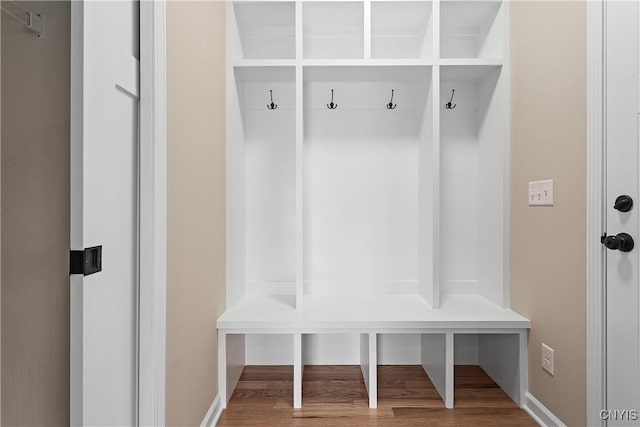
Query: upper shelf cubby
[(401, 29), (333, 30), (471, 29), (266, 30)]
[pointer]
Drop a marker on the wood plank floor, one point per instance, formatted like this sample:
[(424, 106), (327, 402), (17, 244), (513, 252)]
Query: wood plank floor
[(336, 396)]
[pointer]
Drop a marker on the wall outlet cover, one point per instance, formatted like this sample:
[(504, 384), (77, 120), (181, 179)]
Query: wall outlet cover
[(547, 358)]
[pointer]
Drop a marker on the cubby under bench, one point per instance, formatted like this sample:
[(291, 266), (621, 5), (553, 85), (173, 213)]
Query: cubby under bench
[(501, 336)]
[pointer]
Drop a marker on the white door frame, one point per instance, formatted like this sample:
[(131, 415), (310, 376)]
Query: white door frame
[(596, 271), (153, 200), (153, 214)]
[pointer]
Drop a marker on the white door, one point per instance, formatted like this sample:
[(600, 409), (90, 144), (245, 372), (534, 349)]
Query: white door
[(104, 211), (622, 179)]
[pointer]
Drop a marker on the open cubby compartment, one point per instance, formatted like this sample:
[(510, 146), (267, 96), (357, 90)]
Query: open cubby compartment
[(363, 165), (333, 30), (401, 29), (502, 356), (331, 349), (472, 29), (262, 171), (322, 353), (269, 349), (473, 183), (263, 30), (398, 349)]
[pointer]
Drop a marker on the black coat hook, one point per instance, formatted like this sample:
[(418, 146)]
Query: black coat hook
[(271, 106), (391, 105), (331, 105), (448, 105)]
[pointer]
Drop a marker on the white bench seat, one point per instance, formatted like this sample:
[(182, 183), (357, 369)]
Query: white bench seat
[(502, 335), (276, 314)]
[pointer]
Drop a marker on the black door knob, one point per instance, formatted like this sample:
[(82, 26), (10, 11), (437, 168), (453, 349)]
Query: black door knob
[(623, 203), (622, 242)]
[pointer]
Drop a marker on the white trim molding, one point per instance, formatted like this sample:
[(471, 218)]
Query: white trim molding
[(153, 217), (540, 413), (213, 414), (596, 298)]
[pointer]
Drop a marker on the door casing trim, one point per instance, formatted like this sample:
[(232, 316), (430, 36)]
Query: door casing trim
[(596, 297), (153, 214)]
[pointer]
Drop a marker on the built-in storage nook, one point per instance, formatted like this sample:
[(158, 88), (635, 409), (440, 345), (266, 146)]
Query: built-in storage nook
[(367, 190)]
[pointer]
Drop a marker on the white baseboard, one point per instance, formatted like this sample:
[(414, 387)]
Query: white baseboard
[(540, 413), (214, 412)]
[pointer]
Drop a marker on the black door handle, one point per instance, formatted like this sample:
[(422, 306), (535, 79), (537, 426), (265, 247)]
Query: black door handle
[(623, 203), (621, 241)]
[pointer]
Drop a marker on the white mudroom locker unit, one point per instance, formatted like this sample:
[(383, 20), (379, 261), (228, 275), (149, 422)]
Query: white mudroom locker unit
[(368, 191)]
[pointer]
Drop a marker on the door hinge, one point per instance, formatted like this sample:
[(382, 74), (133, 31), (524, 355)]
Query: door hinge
[(86, 262)]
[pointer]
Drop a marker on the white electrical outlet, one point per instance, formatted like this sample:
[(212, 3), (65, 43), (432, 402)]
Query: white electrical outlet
[(547, 358), (541, 193)]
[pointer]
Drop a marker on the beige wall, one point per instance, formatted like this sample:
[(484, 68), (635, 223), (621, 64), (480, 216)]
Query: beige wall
[(35, 220), (196, 205), (548, 257)]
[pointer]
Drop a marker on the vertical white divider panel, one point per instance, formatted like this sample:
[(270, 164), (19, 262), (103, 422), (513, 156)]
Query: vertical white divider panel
[(524, 365), (430, 284), (230, 364), (297, 371), (235, 167), (373, 370), (231, 349), (437, 362), (364, 359), (433, 296), (299, 159), (435, 27), (222, 367), (506, 199), (369, 366), (427, 190), (450, 373), (234, 45), (429, 180), (367, 29)]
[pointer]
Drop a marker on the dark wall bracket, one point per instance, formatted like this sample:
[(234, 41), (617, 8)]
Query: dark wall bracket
[(86, 262)]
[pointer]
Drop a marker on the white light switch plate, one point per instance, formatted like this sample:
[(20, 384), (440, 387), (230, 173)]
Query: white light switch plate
[(541, 193)]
